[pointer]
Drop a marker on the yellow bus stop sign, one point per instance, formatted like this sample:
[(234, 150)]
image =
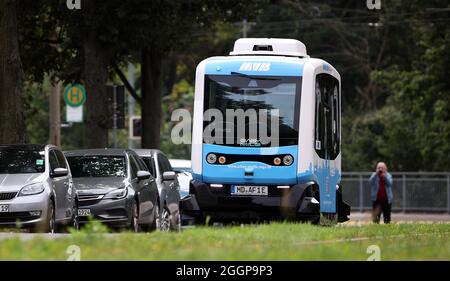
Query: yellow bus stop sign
[(75, 95)]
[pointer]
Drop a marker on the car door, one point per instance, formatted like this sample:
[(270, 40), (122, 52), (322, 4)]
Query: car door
[(137, 184), (170, 188), (68, 191), (149, 192), (58, 185)]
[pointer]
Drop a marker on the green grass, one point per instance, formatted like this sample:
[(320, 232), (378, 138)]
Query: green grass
[(277, 241)]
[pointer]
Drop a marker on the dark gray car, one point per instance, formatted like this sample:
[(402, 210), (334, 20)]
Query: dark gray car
[(168, 186), (36, 188), (115, 187)]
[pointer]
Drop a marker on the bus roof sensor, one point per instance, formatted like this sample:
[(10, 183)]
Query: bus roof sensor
[(269, 46)]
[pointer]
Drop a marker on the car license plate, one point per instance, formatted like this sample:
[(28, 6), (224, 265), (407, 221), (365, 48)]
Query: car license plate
[(249, 190), (84, 212), (4, 208)]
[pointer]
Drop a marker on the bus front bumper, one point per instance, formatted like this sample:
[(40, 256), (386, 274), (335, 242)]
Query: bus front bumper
[(296, 202)]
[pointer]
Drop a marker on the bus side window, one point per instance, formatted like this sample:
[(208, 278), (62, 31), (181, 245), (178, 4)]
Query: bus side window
[(327, 117), (336, 120)]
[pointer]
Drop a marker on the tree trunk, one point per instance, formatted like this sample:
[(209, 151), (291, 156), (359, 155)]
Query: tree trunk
[(96, 76), (12, 125), (151, 97)]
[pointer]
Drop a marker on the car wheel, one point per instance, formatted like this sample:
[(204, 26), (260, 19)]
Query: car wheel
[(170, 222), (134, 219), (165, 220)]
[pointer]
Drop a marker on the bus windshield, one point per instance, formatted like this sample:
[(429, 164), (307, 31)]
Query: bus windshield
[(240, 91)]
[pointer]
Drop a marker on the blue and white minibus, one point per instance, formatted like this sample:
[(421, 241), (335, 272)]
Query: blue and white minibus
[(266, 138)]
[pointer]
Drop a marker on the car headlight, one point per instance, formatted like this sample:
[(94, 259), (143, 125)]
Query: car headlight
[(117, 193), (32, 189)]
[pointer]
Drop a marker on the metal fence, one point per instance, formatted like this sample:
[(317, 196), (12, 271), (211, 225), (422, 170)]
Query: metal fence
[(413, 191)]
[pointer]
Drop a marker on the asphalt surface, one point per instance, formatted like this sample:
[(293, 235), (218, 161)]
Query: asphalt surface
[(355, 219)]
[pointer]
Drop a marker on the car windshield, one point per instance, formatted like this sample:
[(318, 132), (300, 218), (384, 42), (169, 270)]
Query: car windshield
[(97, 166), (21, 161)]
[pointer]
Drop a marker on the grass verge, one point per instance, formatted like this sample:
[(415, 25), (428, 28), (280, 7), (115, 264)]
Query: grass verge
[(276, 241)]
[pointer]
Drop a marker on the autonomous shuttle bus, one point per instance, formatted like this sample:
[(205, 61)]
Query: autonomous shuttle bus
[(266, 136)]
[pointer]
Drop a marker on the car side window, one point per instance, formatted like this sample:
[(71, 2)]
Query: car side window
[(150, 165), (164, 164), (167, 166), (160, 165), (61, 159), (142, 165), (133, 167), (53, 160)]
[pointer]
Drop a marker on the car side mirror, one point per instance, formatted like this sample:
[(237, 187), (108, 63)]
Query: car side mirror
[(143, 175), (169, 176), (60, 172)]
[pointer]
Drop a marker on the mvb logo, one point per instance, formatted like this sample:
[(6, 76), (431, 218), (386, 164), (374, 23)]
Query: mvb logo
[(254, 66)]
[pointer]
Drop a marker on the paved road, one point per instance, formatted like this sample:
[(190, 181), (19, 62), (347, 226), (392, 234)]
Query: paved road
[(355, 219), (366, 217)]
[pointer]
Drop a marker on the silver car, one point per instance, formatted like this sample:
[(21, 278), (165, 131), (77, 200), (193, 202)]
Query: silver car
[(36, 188)]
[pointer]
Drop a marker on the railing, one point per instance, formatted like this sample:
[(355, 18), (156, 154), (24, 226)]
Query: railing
[(413, 191)]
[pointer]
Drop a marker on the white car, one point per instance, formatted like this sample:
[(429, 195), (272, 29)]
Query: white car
[(184, 172)]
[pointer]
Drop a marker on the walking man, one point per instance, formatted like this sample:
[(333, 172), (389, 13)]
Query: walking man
[(381, 193)]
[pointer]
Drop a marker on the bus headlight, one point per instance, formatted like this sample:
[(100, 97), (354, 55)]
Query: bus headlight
[(277, 161), (211, 158), (222, 159), (288, 160)]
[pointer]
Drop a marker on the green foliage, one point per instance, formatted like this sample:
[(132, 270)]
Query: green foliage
[(419, 120)]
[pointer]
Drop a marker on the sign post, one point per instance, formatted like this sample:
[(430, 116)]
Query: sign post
[(75, 97)]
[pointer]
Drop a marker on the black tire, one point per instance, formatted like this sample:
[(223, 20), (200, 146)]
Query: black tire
[(135, 227), (170, 221), (75, 224)]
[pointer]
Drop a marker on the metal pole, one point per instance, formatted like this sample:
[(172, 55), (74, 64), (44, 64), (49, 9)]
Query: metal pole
[(131, 101), (244, 28), (55, 114), (115, 116), (361, 197), (404, 193)]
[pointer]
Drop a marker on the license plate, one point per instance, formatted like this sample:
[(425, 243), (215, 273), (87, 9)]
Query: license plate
[(249, 190), (84, 212), (4, 208)]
